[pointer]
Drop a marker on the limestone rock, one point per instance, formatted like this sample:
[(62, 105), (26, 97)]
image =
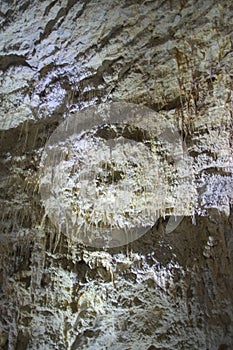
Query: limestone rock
[(163, 291)]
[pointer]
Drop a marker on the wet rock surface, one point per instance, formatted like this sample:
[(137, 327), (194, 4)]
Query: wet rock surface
[(163, 291)]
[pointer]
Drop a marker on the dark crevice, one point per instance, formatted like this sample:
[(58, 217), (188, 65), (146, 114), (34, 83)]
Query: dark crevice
[(115, 31), (50, 25), (13, 60), (49, 69), (7, 18), (11, 13), (27, 136), (107, 66), (24, 6), (124, 71), (48, 8), (129, 3), (158, 40), (80, 12), (176, 103), (60, 16), (90, 81)]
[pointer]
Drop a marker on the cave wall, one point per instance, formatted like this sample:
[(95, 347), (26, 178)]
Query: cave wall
[(163, 291)]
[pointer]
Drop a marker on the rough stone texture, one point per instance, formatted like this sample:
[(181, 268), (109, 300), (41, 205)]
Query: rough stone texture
[(163, 291)]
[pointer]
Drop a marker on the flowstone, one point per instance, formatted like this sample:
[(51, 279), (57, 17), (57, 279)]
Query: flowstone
[(109, 172)]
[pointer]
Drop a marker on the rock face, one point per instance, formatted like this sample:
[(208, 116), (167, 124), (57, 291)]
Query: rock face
[(162, 291)]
